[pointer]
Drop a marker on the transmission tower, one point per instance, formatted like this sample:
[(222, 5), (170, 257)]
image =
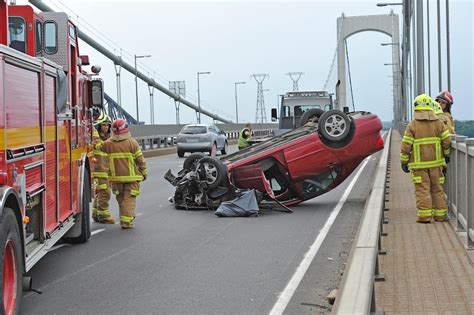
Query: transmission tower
[(295, 77), (260, 115)]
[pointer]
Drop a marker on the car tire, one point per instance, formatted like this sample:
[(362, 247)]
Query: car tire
[(212, 170), (191, 161), (310, 115), (85, 218), (213, 150), (334, 126), (224, 149), (180, 153), (11, 260)]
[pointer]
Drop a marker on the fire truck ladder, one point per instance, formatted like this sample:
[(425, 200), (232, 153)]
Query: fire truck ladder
[(115, 111)]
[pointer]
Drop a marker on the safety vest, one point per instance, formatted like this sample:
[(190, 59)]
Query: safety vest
[(126, 162), (243, 142)]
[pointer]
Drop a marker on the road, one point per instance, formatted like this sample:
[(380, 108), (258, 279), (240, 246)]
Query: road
[(185, 262)]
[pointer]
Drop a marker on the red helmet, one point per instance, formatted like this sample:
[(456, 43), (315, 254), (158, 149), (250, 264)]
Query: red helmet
[(119, 126), (445, 96)]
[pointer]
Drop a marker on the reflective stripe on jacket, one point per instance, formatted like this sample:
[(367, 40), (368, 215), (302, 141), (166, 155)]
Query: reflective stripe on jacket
[(125, 159), (243, 142), (425, 142)]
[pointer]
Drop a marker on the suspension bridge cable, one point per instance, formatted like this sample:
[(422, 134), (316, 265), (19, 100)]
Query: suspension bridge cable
[(349, 72)]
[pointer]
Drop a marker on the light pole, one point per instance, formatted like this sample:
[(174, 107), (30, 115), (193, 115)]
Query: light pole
[(136, 83), (236, 104), (199, 96)]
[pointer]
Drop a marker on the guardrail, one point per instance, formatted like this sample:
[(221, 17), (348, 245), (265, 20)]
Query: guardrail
[(357, 292), (165, 141), (460, 184)]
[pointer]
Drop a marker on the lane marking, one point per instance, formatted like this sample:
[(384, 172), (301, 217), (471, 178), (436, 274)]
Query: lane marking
[(295, 280), (97, 232)]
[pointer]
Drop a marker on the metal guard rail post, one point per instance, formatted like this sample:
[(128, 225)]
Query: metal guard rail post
[(357, 292), (164, 141), (460, 184)]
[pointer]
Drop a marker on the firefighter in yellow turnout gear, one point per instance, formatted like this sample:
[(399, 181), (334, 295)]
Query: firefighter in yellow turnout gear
[(127, 168), (425, 146), (100, 206)]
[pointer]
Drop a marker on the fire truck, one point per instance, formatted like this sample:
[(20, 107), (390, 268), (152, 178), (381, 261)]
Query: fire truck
[(47, 101)]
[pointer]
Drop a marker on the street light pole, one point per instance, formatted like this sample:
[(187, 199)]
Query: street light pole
[(199, 97), (236, 104), (136, 83)]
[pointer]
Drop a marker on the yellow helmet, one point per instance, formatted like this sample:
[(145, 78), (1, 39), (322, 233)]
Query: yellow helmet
[(423, 102), (437, 108), (103, 119)]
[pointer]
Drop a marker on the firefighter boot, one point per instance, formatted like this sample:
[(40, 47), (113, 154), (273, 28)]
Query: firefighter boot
[(104, 217), (94, 215), (127, 204)]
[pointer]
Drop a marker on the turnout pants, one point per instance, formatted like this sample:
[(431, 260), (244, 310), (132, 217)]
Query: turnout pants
[(100, 206), (430, 197), (126, 194)]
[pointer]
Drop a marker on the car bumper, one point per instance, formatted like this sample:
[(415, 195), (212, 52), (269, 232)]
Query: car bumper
[(194, 147)]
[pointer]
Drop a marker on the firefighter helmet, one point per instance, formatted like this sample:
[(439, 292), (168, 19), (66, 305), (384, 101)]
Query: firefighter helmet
[(103, 119), (445, 96), (119, 126), (423, 102), (437, 108)]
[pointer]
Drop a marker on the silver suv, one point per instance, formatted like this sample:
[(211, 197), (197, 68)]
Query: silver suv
[(201, 138)]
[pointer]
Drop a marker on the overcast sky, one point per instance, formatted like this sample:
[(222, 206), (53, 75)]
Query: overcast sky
[(234, 39)]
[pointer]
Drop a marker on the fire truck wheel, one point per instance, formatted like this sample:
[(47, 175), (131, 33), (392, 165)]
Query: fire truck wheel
[(192, 160), (212, 170), (12, 264), (84, 218), (311, 114)]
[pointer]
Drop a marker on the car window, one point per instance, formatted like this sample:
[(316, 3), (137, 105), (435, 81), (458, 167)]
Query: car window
[(193, 130), (212, 129), (319, 184)]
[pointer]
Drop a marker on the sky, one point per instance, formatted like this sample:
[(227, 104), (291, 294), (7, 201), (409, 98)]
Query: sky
[(235, 39)]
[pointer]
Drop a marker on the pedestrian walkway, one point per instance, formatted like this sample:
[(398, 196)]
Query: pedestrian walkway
[(426, 267)]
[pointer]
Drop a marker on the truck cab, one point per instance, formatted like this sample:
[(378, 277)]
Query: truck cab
[(295, 104)]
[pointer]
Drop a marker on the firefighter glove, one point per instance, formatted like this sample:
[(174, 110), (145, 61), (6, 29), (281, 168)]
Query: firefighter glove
[(405, 168), (446, 158)]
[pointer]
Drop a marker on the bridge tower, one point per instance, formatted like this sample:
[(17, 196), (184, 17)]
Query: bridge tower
[(260, 115), (295, 77)]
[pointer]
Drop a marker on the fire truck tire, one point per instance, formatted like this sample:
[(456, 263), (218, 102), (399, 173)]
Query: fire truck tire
[(11, 275), (310, 115), (212, 170), (85, 219), (191, 161), (334, 126)]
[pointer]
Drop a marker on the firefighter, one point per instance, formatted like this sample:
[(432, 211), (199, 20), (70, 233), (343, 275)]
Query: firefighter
[(445, 100), (127, 168), (100, 207), (424, 151), (245, 135)]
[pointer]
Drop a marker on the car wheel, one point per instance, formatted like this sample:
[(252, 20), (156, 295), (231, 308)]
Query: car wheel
[(191, 160), (310, 115), (334, 126), (224, 149), (11, 261), (180, 153), (213, 151), (212, 170)]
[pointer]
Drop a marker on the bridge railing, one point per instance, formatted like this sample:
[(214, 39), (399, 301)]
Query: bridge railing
[(459, 185), (357, 292), (165, 141)]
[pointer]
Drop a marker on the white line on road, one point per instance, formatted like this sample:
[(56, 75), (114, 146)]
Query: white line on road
[(97, 232), (291, 287)]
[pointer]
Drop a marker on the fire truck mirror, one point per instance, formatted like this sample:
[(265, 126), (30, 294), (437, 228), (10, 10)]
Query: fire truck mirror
[(97, 93)]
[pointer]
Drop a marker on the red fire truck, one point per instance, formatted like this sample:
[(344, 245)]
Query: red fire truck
[(47, 101)]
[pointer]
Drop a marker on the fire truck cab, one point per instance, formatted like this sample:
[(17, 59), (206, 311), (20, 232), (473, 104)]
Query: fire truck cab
[(47, 100)]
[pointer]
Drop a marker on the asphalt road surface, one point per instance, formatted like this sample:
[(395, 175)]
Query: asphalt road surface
[(185, 262)]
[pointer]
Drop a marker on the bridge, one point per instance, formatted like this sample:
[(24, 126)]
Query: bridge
[(360, 239)]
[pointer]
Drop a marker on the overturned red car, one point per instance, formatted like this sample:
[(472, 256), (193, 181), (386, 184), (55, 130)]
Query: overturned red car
[(288, 169)]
